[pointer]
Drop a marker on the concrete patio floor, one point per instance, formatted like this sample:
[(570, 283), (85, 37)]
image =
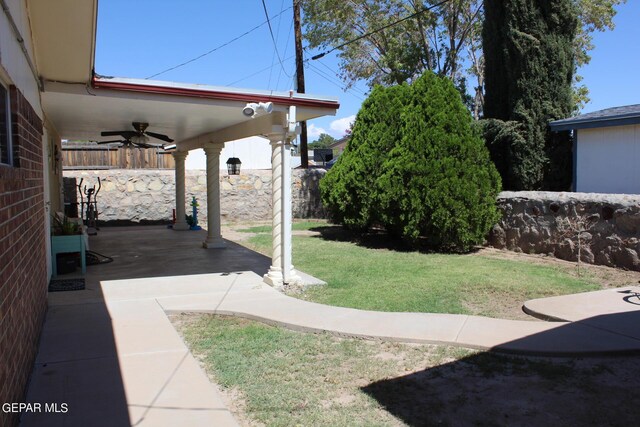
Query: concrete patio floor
[(112, 355)]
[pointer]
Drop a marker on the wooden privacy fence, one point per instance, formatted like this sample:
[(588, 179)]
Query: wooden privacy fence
[(82, 156)]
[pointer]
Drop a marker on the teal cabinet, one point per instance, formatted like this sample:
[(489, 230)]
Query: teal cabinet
[(65, 244)]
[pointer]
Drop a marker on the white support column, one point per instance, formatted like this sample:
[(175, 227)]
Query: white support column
[(181, 222), (274, 277), (288, 273), (214, 237), (281, 270)]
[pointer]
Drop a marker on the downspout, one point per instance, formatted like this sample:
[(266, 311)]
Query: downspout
[(20, 41)]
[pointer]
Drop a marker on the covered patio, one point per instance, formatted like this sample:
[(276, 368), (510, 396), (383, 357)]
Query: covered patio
[(196, 116)]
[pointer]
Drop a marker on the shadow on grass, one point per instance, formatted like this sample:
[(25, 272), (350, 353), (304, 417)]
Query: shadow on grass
[(496, 389), (378, 239), (488, 389)]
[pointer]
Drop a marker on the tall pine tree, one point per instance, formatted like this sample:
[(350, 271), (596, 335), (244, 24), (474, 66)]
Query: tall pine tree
[(528, 48)]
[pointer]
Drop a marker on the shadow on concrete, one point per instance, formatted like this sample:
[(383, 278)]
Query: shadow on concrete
[(156, 251), (77, 363), (77, 377), (503, 390)]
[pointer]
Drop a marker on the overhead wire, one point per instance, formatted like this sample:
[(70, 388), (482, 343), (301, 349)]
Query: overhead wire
[(377, 30), (334, 74), (275, 45), (258, 72), (323, 75), (217, 47), (273, 56)]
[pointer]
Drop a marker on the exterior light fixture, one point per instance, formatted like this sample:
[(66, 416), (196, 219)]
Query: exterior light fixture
[(257, 109), (233, 166)]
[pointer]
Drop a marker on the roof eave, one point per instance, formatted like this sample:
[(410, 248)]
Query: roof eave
[(562, 125), (294, 99)]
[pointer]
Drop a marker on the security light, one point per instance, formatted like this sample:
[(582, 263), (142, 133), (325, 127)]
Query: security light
[(257, 109)]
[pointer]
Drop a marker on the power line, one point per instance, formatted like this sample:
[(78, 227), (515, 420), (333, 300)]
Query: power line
[(334, 74), (275, 45), (384, 27), (258, 72), (218, 47), (321, 74), (273, 56)]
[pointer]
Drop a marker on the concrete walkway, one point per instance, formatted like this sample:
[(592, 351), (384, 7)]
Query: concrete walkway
[(112, 355)]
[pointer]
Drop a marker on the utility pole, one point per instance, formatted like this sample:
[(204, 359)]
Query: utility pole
[(304, 153)]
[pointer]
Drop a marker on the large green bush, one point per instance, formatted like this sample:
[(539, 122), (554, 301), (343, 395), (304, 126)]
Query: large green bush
[(415, 166)]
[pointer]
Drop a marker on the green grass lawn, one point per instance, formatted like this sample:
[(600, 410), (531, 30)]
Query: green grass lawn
[(277, 377), (390, 280)]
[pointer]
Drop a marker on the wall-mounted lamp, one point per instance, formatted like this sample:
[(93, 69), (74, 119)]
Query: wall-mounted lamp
[(233, 166), (257, 109)]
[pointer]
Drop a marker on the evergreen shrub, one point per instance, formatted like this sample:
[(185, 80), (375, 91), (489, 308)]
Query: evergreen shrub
[(416, 166)]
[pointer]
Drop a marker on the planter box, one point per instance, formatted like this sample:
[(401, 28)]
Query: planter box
[(65, 244)]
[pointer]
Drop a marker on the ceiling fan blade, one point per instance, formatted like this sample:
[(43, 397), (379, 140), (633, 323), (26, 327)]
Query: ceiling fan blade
[(122, 133), (110, 142), (159, 136), (143, 145)]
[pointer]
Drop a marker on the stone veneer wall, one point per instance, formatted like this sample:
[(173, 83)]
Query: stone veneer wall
[(541, 222), (143, 196)]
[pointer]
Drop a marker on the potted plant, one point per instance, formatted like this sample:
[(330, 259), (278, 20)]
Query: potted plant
[(64, 226), (66, 236)]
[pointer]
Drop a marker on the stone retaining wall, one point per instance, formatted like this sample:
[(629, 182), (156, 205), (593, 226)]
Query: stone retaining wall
[(148, 196), (546, 222)]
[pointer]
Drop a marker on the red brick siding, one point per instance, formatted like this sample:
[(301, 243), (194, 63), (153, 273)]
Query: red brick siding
[(23, 271)]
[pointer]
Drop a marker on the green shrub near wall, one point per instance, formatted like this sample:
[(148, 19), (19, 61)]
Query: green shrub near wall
[(415, 165)]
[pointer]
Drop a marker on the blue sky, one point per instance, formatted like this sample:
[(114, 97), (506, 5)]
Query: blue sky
[(143, 37)]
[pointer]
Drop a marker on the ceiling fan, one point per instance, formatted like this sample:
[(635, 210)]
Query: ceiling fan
[(139, 137)]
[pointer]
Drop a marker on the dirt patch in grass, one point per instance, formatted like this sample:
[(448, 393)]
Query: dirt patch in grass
[(277, 377)]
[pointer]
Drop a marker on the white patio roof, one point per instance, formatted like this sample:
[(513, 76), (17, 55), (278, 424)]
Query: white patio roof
[(189, 113)]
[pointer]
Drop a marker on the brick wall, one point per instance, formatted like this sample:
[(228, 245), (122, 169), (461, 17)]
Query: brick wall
[(23, 272)]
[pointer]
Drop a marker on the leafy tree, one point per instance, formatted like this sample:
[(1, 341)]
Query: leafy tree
[(529, 61), (442, 40), (323, 141), (594, 15), (415, 165)]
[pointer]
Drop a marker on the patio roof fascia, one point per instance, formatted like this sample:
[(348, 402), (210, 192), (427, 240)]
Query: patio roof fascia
[(213, 92)]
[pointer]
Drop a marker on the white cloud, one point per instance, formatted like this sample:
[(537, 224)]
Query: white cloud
[(339, 127), (313, 131)]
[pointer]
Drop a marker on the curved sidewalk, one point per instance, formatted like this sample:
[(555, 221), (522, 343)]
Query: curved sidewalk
[(244, 294)]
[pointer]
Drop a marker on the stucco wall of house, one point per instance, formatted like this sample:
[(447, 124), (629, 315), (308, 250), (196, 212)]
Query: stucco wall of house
[(608, 160), (23, 255), (14, 63), (253, 152)]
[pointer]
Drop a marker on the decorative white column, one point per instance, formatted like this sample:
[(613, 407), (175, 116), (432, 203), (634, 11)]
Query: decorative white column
[(181, 222), (274, 277), (214, 237), (288, 273), (281, 270)]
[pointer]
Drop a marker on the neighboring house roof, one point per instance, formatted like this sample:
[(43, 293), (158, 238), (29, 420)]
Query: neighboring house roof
[(616, 116), (341, 143)]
